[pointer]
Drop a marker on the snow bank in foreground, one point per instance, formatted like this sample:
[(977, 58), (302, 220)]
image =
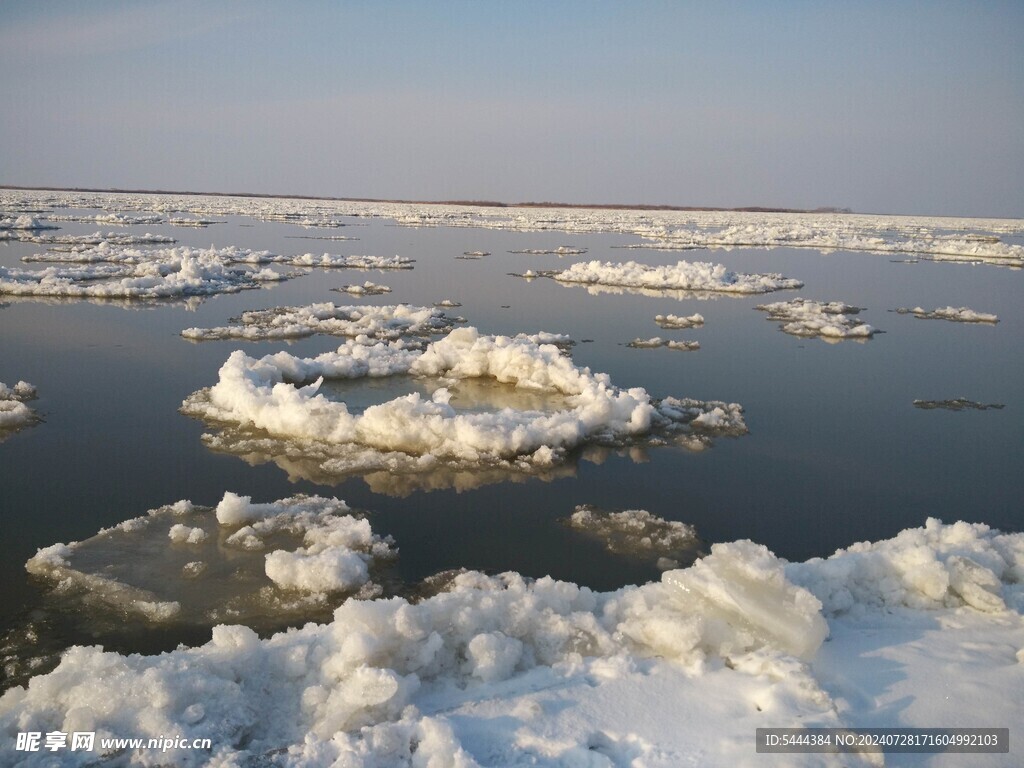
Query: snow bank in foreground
[(380, 322), (956, 314), (166, 273), (14, 414), (804, 317), (413, 433), (238, 562), (503, 670), (685, 275)]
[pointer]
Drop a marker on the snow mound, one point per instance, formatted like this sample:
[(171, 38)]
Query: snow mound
[(259, 563), (828, 320), (24, 223), (637, 533), (14, 414), (685, 276), (412, 433), (675, 321), (379, 322), (937, 566), (955, 314)]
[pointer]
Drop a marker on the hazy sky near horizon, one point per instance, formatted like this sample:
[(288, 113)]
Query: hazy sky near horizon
[(902, 107)]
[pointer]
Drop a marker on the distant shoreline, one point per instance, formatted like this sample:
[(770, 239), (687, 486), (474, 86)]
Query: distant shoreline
[(476, 203)]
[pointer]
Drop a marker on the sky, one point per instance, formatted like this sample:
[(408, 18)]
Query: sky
[(889, 107)]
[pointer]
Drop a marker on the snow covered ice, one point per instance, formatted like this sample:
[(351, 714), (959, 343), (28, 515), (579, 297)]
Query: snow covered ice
[(828, 320), (684, 276), (675, 321), (637, 533), (507, 670), (955, 314), (14, 413), (411, 433), (379, 322)]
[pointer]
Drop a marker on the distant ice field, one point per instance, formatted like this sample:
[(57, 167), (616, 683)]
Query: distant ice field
[(836, 452)]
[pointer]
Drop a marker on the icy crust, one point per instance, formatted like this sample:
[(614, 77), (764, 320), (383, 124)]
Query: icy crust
[(937, 566), (829, 320), (637, 533), (74, 243), (413, 433), (239, 561), (170, 273), (502, 670), (683, 276), (14, 414), (379, 322), (955, 314)]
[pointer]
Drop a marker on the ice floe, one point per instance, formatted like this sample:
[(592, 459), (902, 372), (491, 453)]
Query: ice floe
[(240, 561), (504, 670), (956, 314), (683, 276), (562, 250), (379, 322), (957, 404), (828, 320), (14, 413), (368, 288), (676, 321), (24, 223), (170, 273), (413, 433), (657, 341), (639, 534)]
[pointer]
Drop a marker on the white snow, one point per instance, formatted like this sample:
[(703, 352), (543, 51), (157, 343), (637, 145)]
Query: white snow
[(381, 322), (685, 276), (412, 433), (924, 630), (828, 320), (955, 314)]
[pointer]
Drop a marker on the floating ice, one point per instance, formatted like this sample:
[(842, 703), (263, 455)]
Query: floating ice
[(508, 671), (412, 433), (259, 563), (366, 289), (170, 273), (447, 303), (24, 223), (804, 317), (676, 321), (956, 314), (381, 322), (657, 341), (956, 404), (637, 533), (14, 414), (562, 250), (684, 276)]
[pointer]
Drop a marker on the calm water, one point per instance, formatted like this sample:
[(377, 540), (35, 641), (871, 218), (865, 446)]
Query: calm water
[(836, 451)]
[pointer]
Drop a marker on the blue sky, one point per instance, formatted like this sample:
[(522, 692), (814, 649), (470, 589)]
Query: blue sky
[(878, 106)]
